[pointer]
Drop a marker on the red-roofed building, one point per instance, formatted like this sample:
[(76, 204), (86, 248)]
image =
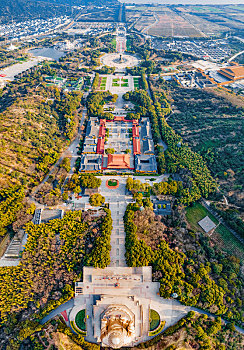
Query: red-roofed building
[(135, 131), (102, 131), (100, 145), (136, 146), (119, 119), (234, 72), (118, 161)]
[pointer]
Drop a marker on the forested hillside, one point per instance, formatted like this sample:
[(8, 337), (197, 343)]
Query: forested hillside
[(44, 278), (213, 126), (185, 263), (21, 10), (36, 123), (34, 129)]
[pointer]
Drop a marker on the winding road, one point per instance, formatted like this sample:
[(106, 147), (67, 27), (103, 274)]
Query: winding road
[(236, 55)]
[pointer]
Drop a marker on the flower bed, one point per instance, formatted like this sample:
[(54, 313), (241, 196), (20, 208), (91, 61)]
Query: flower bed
[(112, 183), (157, 330)]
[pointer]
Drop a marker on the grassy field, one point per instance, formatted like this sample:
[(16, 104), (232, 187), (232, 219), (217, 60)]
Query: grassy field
[(112, 182), (195, 213), (154, 319), (222, 236), (80, 319), (113, 42), (128, 44)]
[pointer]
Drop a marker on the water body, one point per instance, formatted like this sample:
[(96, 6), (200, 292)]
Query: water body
[(48, 52)]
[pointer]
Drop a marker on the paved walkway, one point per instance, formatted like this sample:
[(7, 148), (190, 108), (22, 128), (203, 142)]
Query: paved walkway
[(118, 202), (9, 262), (66, 306)]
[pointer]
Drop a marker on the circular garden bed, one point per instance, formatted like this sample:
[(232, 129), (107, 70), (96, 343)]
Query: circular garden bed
[(80, 320), (154, 320), (112, 183)]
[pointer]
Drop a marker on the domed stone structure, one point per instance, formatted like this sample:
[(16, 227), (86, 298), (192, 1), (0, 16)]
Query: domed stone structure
[(117, 326), (118, 301)]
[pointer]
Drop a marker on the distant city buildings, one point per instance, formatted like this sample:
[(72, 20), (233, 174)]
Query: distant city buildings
[(213, 50), (35, 27)]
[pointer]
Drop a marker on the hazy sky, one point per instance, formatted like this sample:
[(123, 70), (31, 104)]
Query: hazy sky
[(186, 2)]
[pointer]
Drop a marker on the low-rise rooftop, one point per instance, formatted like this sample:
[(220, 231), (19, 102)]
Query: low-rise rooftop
[(91, 162), (145, 163)]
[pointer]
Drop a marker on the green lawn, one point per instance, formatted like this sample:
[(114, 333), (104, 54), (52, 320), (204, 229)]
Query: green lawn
[(115, 80), (113, 43), (154, 320), (115, 84), (224, 237), (124, 84), (80, 320), (128, 44), (195, 214), (125, 80)]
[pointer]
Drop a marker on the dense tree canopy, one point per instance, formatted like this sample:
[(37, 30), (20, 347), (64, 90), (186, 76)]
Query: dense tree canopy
[(52, 260), (11, 201), (177, 272), (96, 200)]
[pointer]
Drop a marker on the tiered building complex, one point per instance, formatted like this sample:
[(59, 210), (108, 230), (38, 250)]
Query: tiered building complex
[(131, 143)]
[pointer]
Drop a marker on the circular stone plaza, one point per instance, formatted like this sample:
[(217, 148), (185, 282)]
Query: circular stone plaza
[(120, 60)]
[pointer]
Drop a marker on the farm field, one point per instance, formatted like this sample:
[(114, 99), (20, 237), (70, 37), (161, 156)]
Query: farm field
[(222, 236), (230, 17), (169, 24), (187, 21), (206, 27), (144, 22), (163, 21)]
